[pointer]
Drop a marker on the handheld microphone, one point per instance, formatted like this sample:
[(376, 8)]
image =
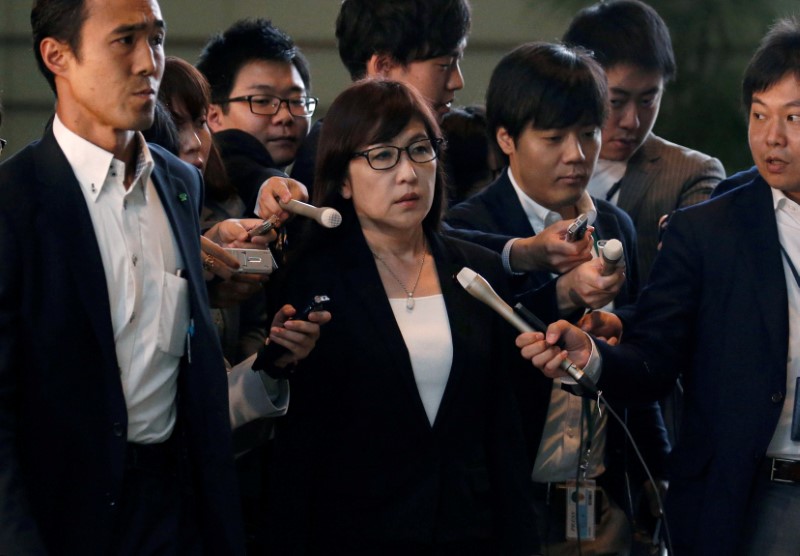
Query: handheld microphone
[(326, 216), (611, 255), (477, 286)]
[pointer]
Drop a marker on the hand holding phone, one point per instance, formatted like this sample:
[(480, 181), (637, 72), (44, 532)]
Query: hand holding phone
[(577, 230), (272, 351), (264, 227)]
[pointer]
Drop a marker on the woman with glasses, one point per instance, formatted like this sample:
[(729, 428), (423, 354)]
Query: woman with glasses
[(402, 436)]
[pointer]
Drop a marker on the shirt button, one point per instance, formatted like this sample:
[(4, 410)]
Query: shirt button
[(133, 316), (116, 429), (125, 204), (777, 397), (135, 260)]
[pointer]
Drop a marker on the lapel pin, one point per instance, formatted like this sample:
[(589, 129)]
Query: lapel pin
[(182, 197)]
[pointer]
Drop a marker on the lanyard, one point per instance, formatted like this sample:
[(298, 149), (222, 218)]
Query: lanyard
[(791, 265), (589, 416)]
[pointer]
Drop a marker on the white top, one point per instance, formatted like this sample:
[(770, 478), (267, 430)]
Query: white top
[(149, 302), (426, 332), (787, 215), (607, 173)]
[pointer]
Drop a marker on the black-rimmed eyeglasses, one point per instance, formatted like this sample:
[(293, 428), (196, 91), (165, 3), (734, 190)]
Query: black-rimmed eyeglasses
[(388, 156), (268, 105), (2, 145)]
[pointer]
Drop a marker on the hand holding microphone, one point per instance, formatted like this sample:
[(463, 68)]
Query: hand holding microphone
[(523, 320), (612, 256), (325, 216)]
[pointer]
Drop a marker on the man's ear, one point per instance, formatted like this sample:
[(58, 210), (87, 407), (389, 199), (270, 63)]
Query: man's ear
[(381, 65), (215, 118), (505, 141), (56, 55)]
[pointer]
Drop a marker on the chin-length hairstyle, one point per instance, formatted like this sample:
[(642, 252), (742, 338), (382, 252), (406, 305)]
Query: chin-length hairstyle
[(368, 112)]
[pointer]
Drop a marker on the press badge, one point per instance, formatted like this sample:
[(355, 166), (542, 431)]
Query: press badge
[(581, 502)]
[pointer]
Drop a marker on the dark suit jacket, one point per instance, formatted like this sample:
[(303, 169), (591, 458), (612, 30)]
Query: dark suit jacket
[(247, 163), (715, 307), (734, 181), (63, 418), (357, 463), (497, 210), (662, 177)]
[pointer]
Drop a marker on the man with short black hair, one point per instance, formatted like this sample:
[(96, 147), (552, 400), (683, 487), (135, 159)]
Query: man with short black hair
[(638, 171), (418, 42), (114, 428), (260, 105), (723, 303), (551, 136)]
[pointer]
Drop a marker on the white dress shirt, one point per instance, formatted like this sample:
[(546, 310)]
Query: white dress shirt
[(787, 215), (149, 302), (607, 173)]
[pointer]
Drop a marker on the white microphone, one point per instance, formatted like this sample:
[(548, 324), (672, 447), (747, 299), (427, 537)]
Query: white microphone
[(326, 216), (477, 286), (611, 255)]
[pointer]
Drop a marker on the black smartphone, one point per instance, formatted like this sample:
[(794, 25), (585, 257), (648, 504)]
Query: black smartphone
[(270, 352), (577, 230)]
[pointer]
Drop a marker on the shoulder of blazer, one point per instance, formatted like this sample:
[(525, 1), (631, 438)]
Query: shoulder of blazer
[(656, 149)]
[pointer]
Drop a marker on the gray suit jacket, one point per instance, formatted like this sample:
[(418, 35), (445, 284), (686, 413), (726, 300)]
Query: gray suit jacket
[(662, 177)]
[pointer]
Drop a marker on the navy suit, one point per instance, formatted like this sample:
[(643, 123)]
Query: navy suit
[(495, 215), (716, 307), (735, 180), (63, 419)]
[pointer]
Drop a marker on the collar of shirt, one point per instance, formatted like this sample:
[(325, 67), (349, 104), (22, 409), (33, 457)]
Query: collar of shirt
[(785, 205), (541, 217), (93, 166), (605, 175)]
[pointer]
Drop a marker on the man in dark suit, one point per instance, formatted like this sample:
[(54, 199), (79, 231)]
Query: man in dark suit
[(114, 432), (551, 135), (723, 302)]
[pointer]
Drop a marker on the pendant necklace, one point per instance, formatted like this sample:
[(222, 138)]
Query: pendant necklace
[(409, 293)]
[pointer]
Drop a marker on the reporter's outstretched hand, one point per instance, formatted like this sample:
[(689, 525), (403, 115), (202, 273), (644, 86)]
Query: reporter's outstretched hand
[(550, 251), (276, 188), (545, 355), (585, 286)]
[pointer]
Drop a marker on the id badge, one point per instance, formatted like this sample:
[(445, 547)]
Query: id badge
[(581, 504)]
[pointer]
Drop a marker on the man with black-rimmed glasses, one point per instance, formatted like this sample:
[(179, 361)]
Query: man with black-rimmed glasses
[(260, 105)]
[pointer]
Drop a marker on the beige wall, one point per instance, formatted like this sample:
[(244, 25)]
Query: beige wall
[(498, 25)]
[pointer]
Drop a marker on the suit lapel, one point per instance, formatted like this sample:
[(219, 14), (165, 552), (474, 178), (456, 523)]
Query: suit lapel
[(66, 213), (365, 289), (504, 203), (179, 208), (639, 176), (760, 249), (465, 331)]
